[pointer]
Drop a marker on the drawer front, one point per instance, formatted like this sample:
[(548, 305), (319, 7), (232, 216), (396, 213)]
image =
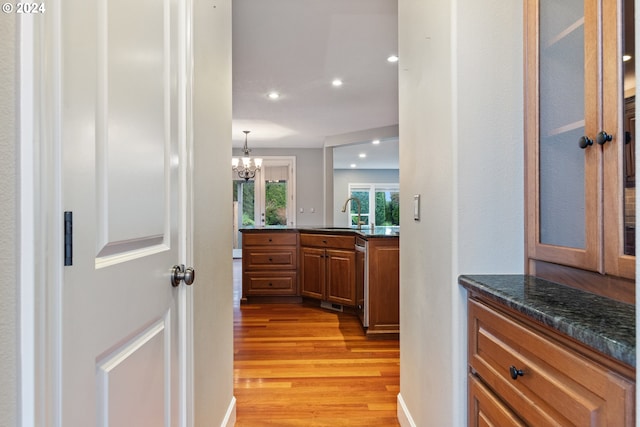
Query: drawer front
[(328, 241), (276, 258), (554, 385), (271, 284), (268, 239), (486, 409)]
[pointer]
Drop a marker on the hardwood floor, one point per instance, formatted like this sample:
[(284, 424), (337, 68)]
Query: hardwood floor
[(298, 365)]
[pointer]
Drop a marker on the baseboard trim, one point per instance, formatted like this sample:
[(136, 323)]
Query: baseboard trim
[(230, 417), (404, 417)]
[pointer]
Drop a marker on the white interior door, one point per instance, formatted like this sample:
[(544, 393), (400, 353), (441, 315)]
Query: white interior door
[(121, 125)]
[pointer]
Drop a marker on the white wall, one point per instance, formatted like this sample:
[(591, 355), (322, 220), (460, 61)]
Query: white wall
[(213, 288), (461, 148), (343, 177), (309, 164), (8, 224)]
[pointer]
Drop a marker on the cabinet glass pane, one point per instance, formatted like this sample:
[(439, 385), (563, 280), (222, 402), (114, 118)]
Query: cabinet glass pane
[(562, 196), (562, 82), (629, 177)]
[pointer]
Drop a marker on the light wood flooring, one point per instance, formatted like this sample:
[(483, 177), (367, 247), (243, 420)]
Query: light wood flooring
[(298, 365)]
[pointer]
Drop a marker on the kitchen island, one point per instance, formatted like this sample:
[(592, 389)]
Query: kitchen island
[(339, 268)]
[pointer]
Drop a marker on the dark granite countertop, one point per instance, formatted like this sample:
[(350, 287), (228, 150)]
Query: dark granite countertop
[(603, 324), (365, 232)]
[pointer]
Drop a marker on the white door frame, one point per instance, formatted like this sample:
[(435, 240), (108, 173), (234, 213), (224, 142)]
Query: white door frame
[(40, 255)]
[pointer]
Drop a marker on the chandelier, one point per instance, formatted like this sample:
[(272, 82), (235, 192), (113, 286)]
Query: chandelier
[(247, 170)]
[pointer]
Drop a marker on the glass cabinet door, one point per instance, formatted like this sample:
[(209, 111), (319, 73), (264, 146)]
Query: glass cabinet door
[(619, 123), (562, 87)]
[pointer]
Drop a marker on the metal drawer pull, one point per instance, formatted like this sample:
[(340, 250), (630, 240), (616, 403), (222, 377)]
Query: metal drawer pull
[(515, 372)]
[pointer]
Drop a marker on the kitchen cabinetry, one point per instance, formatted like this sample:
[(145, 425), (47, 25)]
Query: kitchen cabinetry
[(328, 268), (524, 374), (383, 286), (269, 264), (579, 200), (487, 407)]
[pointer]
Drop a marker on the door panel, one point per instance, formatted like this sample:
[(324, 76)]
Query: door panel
[(132, 132), (619, 121), (563, 89), (312, 273), (130, 136), (341, 276), (121, 380), (120, 128)]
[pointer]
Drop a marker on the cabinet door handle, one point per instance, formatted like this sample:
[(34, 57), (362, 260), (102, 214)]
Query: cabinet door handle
[(515, 372), (584, 142), (602, 137)]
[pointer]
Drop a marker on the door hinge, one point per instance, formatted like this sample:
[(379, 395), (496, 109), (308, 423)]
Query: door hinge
[(68, 238)]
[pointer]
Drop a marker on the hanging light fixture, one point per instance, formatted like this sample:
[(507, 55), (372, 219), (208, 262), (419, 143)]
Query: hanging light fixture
[(247, 170)]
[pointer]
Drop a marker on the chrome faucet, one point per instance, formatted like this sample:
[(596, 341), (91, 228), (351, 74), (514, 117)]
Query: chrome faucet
[(344, 209)]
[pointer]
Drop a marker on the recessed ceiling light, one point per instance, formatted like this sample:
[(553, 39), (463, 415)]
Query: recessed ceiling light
[(336, 82), (362, 155), (393, 58), (353, 165), (375, 142), (273, 95), (626, 58)]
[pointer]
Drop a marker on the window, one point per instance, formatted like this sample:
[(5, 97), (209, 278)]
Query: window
[(380, 204)]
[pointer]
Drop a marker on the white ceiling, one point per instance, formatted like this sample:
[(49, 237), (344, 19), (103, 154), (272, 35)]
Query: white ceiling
[(297, 48), (383, 156)]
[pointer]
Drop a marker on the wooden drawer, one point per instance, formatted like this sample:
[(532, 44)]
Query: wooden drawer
[(328, 241), (268, 239), (277, 258), (276, 283), (557, 387), (486, 409)]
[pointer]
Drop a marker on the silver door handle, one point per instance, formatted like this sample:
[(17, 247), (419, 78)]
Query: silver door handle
[(180, 274)]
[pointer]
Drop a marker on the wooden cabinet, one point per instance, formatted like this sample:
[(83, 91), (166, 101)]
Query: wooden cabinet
[(383, 288), (524, 374), (328, 268), (486, 409), (269, 264), (575, 144)]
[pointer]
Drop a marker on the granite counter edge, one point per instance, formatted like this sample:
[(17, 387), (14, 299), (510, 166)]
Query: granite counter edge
[(602, 343)]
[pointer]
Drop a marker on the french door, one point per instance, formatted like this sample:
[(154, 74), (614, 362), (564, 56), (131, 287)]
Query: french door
[(266, 201)]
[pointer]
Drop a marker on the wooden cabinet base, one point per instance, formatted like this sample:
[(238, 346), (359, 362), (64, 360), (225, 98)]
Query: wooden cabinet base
[(383, 287), (269, 266), (534, 377), (261, 299), (383, 334)]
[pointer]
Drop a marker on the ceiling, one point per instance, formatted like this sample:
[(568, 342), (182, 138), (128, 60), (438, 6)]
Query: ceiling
[(297, 48)]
